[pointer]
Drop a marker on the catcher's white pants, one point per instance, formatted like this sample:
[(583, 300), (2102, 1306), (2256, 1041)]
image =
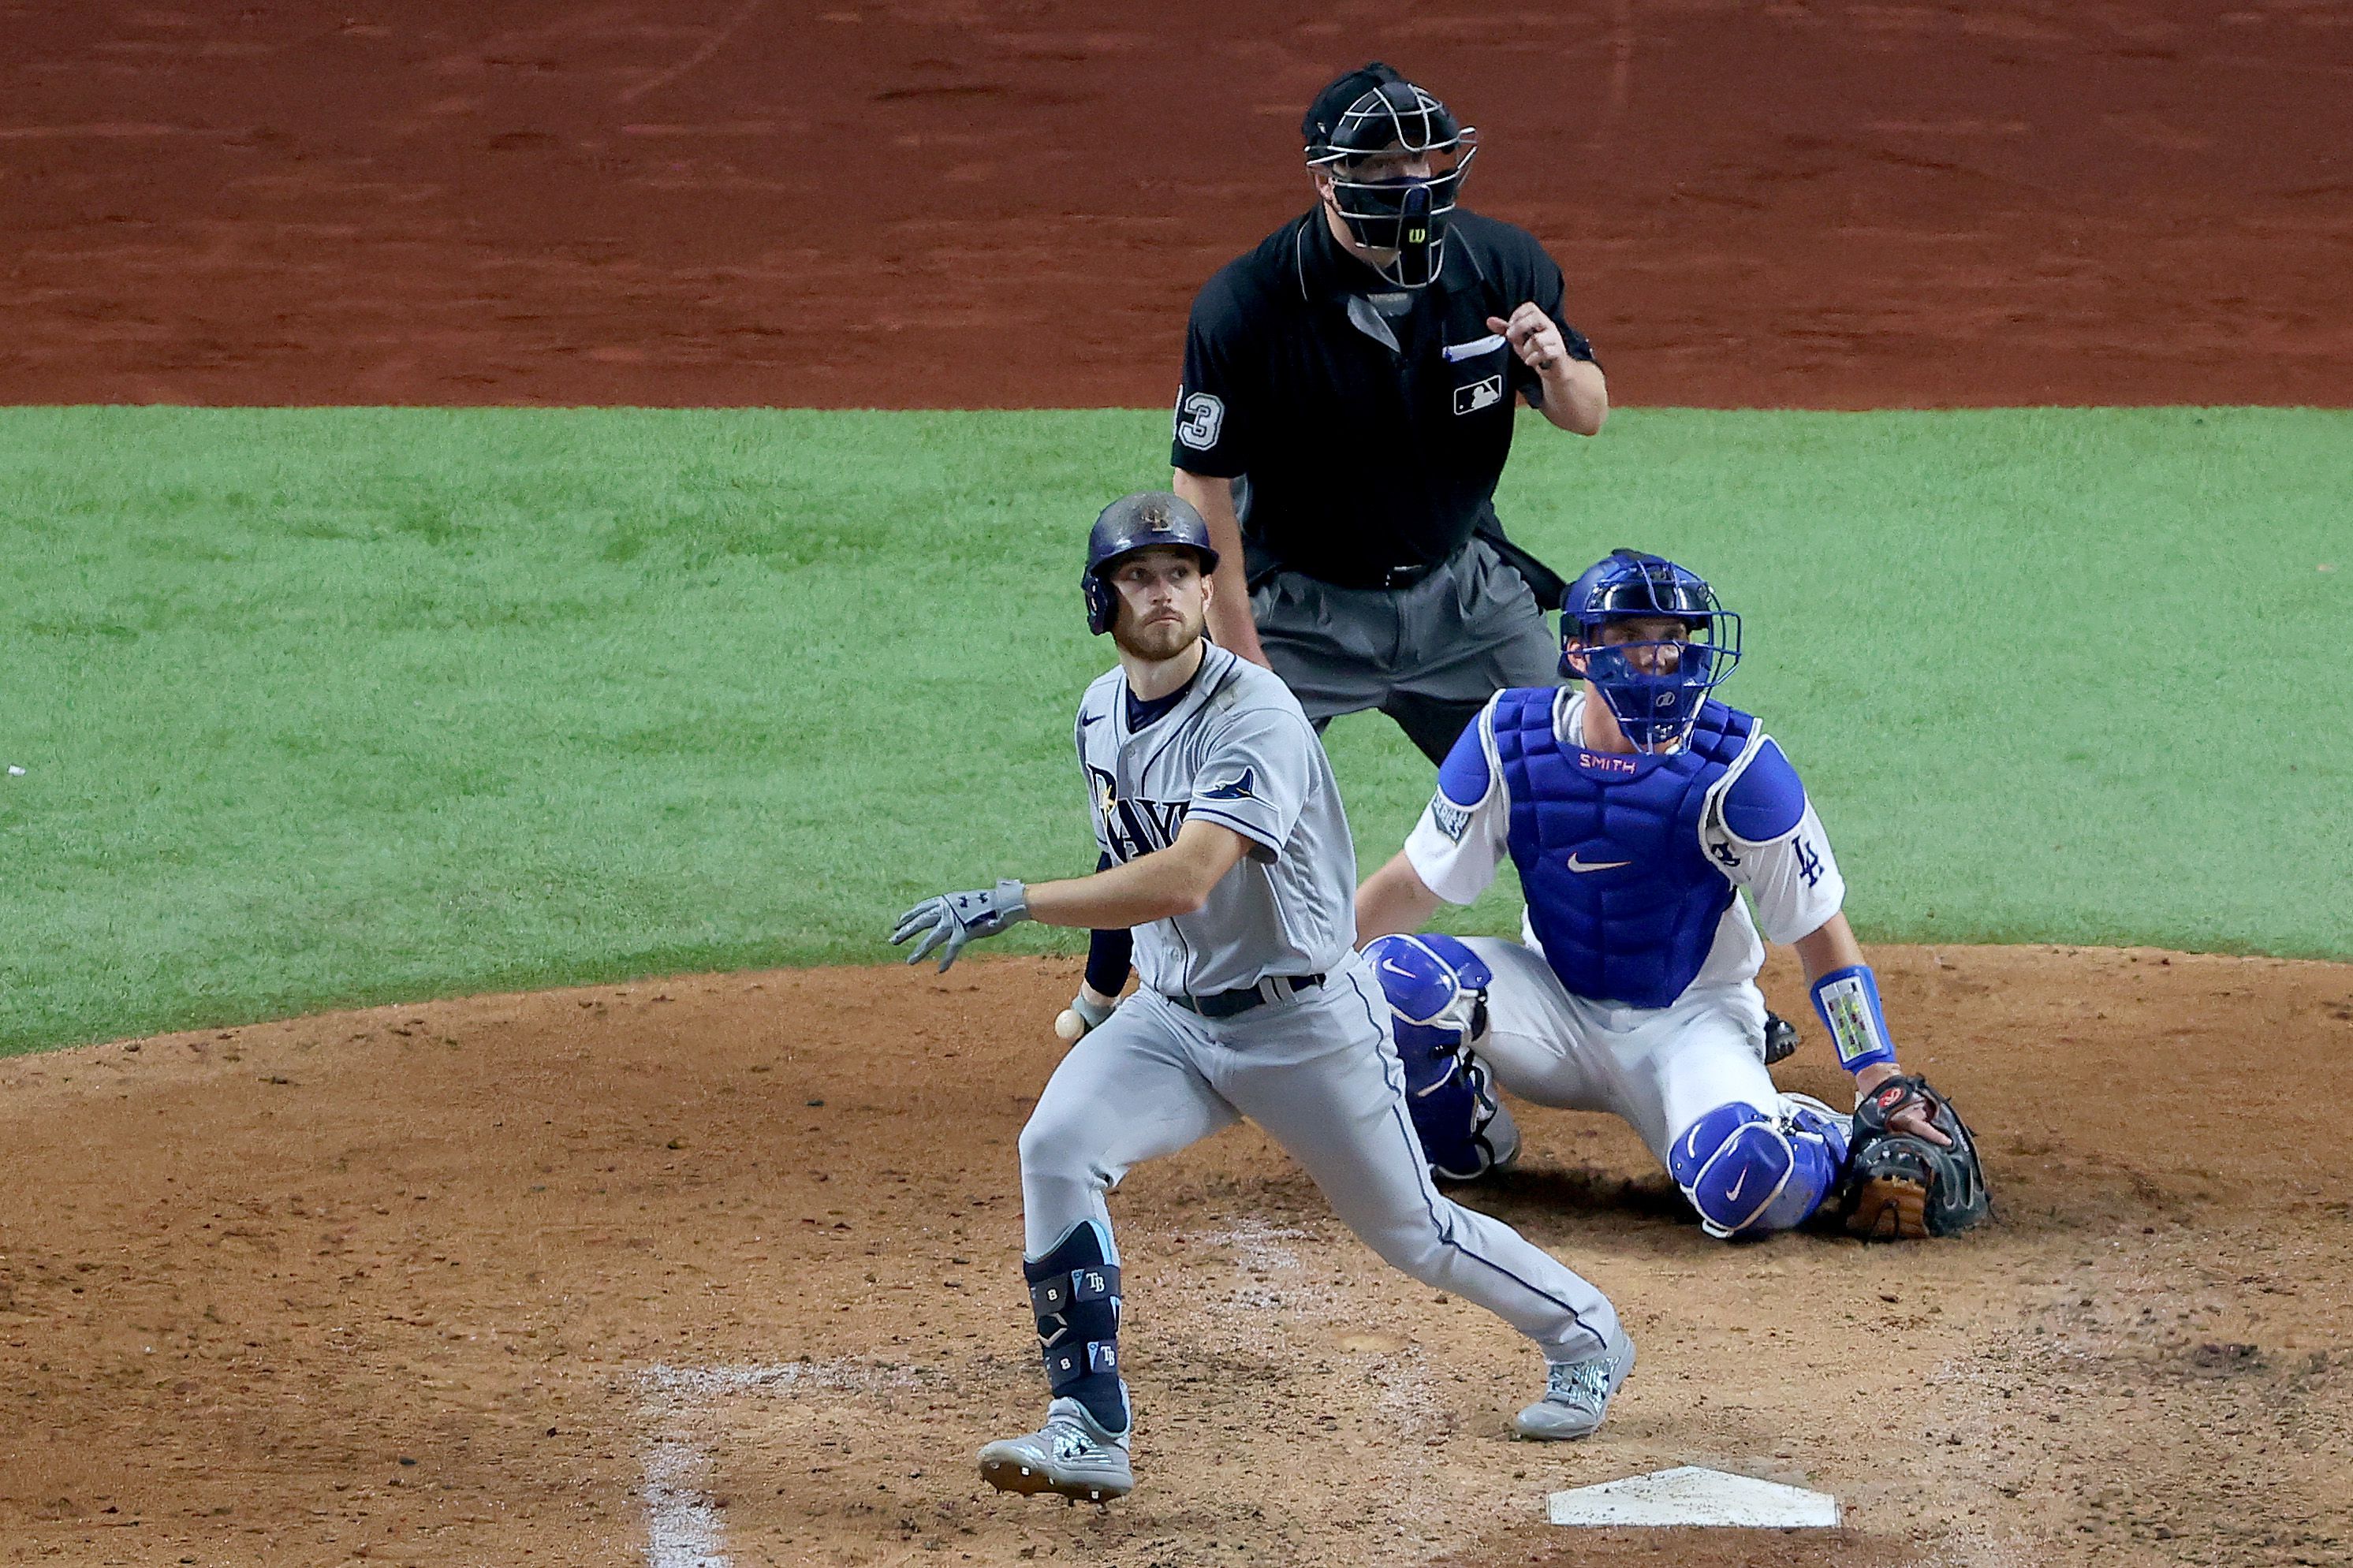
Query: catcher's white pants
[(1321, 1075), (1658, 1068)]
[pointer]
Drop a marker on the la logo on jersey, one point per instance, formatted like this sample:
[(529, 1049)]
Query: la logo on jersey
[(1134, 827)]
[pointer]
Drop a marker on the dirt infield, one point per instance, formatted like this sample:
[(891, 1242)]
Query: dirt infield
[(700, 1265), (930, 203)]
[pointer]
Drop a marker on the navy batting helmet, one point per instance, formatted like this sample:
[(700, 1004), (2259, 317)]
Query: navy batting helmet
[(1373, 111), (1654, 690), (1140, 522)]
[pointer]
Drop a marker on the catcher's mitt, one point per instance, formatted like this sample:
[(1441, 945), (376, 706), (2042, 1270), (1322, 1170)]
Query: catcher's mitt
[(1898, 1186)]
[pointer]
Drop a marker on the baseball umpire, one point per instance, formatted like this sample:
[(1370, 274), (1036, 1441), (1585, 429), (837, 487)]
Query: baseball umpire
[(1345, 412), (1232, 862)]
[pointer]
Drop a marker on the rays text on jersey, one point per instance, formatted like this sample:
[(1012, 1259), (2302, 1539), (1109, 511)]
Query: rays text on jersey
[(1133, 827)]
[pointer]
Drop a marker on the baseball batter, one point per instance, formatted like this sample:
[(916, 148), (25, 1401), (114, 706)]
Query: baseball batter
[(1230, 856), (1636, 809)]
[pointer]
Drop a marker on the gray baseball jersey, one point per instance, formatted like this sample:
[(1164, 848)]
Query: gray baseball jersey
[(1238, 751)]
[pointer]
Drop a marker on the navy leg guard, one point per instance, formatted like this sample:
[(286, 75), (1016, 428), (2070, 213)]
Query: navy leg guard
[(1074, 1290), (1748, 1174)]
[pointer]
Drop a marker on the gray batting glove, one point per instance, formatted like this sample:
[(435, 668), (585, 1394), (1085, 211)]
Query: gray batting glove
[(951, 919), (1092, 1014)]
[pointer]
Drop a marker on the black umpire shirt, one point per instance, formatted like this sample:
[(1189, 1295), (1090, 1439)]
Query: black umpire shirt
[(1366, 425)]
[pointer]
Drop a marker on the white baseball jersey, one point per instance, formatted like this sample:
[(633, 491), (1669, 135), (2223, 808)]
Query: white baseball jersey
[(1238, 751), (1794, 882)]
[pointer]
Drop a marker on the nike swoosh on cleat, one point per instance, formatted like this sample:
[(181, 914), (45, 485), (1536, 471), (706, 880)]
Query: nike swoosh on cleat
[(1576, 864)]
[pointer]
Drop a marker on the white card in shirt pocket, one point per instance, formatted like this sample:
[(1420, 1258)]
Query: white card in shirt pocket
[(1457, 352)]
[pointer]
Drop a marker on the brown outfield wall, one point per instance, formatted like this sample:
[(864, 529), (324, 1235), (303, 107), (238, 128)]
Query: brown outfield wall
[(932, 204), (729, 1265)]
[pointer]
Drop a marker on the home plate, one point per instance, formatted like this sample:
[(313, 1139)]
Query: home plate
[(1688, 1495)]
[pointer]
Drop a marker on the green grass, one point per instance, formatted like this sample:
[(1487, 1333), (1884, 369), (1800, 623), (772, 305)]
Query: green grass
[(334, 707)]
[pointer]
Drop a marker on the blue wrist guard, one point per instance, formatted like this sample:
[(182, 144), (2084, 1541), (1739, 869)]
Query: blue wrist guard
[(1847, 1001)]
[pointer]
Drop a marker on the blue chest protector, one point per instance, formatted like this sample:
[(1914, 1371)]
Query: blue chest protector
[(1619, 892)]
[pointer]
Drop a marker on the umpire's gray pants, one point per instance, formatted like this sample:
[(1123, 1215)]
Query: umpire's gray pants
[(1429, 656), (1321, 1075)]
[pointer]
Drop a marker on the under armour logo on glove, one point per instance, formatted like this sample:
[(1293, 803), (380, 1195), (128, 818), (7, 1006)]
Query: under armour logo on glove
[(951, 919)]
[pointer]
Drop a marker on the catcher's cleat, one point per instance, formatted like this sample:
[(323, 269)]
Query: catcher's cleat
[(1577, 1394), (1901, 1188), (1781, 1039), (1070, 1456)]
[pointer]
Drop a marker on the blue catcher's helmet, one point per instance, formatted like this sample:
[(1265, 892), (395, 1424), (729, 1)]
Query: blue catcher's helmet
[(1654, 690), (1140, 521)]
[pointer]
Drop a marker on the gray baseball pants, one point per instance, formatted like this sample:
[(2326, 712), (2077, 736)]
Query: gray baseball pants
[(1320, 1074), (1429, 656)]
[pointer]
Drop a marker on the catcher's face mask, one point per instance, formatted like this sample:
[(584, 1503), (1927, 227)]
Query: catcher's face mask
[(1395, 160), (1684, 644)]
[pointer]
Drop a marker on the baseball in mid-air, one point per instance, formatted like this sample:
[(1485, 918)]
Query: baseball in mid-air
[(1069, 1025)]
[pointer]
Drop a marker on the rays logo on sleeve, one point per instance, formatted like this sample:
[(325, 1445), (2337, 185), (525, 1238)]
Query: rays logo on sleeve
[(1134, 827), (1238, 788)]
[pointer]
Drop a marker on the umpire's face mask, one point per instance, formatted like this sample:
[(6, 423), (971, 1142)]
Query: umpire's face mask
[(1395, 205), (1390, 173)]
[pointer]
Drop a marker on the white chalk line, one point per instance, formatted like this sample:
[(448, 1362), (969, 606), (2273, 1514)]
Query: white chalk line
[(683, 1527)]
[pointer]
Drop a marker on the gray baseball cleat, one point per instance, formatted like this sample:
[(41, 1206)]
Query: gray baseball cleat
[(1070, 1455), (1576, 1393)]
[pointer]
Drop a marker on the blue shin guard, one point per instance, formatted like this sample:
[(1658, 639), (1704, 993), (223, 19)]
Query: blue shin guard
[(1074, 1291), (1748, 1174), (1437, 992)]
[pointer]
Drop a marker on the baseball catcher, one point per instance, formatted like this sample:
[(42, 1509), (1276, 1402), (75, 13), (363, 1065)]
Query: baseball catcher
[(1636, 809)]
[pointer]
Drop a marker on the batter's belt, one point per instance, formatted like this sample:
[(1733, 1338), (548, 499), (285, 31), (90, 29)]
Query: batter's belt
[(1225, 1004)]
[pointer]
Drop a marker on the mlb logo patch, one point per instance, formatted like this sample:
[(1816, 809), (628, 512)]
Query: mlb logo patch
[(1478, 395)]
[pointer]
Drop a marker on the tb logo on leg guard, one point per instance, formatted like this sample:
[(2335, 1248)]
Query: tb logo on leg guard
[(1074, 1291)]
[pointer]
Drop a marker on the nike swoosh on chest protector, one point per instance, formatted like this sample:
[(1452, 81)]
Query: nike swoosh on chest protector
[(1576, 864)]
